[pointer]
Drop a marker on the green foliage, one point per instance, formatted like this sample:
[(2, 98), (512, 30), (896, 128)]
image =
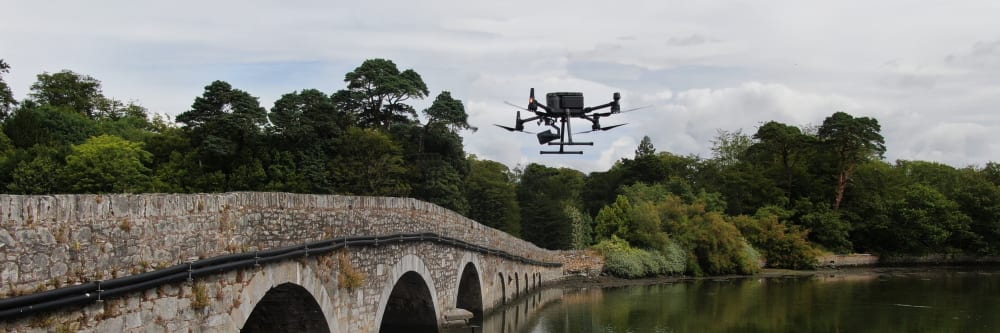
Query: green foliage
[(714, 245), (979, 198), (852, 141), (542, 194), (623, 260), (77, 92), (784, 148), (305, 118), (376, 91), (225, 126), (729, 148), (492, 196), (600, 189), (675, 258), (7, 101), (32, 125), (369, 163), (39, 172), (825, 226), (644, 226), (582, 227), (439, 183), (449, 112), (926, 221), (781, 245), (108, 164), (612, 220), (786, 190), (645, 148)]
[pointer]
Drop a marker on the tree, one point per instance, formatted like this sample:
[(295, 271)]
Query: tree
[(852, 141), (645, 167), (543, 192), (369, 163), (37, 176), (980, 200), (376, 92), (582, 227), (108, 164), (112, 109), (492, 196), (613, 220), (33, 124), (7, 101), (225, 125), (439, 183), (729, 148), (449, 112), (309, 117), (825, 226), (784, 145), (645, 148), (78, 92), (866, 206), (924, 221), (601, 188), (783, 245)]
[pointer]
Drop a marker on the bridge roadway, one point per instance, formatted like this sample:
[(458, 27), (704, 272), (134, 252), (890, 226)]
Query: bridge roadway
[(252, 262)]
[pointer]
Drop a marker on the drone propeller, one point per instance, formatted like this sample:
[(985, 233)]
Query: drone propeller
[(634, 109), (514, 105), (603, 128), (512, 129)]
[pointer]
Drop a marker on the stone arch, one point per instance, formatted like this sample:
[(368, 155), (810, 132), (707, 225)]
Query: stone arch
[(416, 292), (469, 292), (283, 279), (286, 308), (517, 285), (503, 289)]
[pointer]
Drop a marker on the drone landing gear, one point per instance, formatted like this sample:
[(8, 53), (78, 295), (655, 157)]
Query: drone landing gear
[(562, 146)]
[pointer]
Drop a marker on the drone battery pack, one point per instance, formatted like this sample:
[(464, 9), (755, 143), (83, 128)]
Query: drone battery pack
[(565, 100)]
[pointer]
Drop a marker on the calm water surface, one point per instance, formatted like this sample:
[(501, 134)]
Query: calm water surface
[(898, 300)]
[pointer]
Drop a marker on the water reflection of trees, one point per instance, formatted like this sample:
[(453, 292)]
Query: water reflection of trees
[(901, 302)]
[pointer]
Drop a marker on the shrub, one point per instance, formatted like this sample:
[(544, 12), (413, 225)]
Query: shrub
[(350, 277), (622, 260), (782, 246), (675, 258)]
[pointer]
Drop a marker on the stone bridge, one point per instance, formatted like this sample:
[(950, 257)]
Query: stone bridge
[(252, 262)]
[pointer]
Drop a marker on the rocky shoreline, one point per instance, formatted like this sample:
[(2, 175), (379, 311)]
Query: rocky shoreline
[(583, 269)]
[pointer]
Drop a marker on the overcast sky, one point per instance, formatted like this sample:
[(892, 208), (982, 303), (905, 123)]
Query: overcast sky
[(929, 71)]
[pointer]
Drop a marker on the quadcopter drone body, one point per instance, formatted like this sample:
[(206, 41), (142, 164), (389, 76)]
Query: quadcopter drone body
[(563, 106)]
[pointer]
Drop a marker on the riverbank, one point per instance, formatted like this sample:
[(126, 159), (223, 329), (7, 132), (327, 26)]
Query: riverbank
[(584, 269), (580, 281)]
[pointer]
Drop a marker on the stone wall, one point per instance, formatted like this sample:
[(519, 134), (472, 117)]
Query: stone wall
[(847, 260), (53, 241)]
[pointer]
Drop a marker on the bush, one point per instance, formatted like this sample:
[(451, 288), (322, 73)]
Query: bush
[(622, 260), (674, 257), (782, 246)]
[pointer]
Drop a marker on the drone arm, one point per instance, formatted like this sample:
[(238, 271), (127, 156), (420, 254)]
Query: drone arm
[(613, 104), (529, 119), (602, 106)]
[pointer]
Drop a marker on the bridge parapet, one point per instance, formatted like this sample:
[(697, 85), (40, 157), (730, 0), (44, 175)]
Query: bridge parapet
[(52, 241)]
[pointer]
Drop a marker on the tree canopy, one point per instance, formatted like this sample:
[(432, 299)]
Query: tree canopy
[(779, 196)]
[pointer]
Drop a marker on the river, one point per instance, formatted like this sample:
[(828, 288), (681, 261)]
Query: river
[(879, 300)]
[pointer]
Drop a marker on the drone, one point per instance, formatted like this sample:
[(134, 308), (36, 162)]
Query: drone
[(563, 106)]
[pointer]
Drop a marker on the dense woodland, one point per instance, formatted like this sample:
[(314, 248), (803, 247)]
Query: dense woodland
[(782, 194)]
